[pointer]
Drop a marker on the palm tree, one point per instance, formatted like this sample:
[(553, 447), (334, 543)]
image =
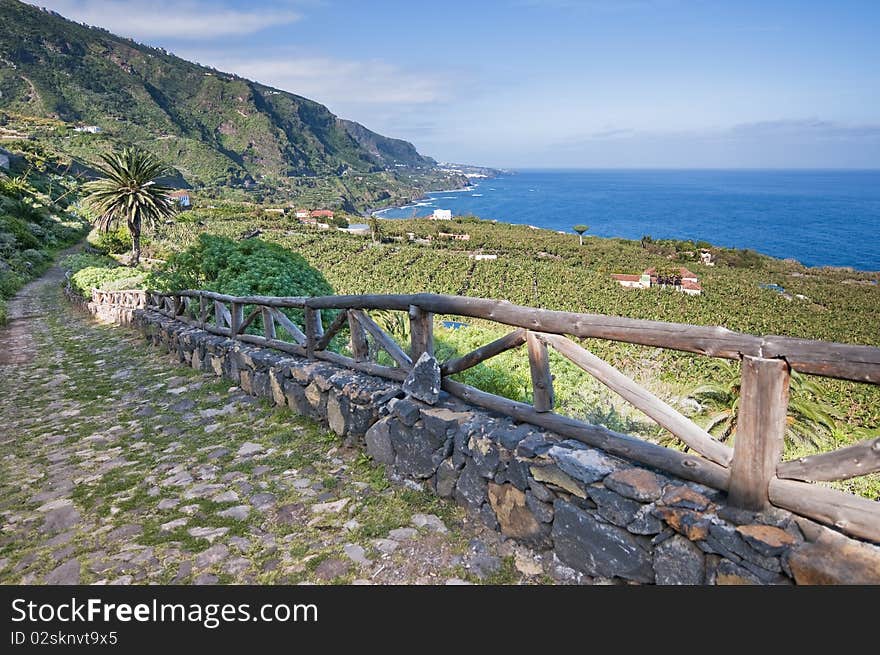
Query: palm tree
[(810, 420), (580, 229), (128, 191)]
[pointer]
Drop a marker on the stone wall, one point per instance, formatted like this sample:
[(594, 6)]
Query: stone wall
[(602, 516)]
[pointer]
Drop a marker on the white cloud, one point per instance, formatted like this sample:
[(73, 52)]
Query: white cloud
[(336, 82), (187, 19)]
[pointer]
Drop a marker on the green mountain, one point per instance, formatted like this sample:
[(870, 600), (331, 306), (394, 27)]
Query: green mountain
[(216, 128)]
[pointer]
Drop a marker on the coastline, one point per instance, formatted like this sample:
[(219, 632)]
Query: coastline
[(824, 223)]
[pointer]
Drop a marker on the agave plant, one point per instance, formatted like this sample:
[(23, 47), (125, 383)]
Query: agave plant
[(810, 420), (128, 192)]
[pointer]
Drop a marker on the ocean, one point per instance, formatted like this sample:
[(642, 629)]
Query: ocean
[(820, 218)]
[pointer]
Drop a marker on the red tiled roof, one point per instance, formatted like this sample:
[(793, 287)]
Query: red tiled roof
[(322, 212), (693, 286), (180, 193), (623, 277)]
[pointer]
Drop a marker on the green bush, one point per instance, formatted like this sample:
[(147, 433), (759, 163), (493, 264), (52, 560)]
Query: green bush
[(113, 242), (81, 260), (108, 279), (242, 268), (10, 282), (248, 267)]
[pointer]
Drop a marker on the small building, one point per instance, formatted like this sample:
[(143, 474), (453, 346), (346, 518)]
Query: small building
[(454, 237), (302, 213), (684, 281), (481, 257), (442, 215), (632, 281), (91, 129), (321, 213), (691, 288), (706, 258), (181, 197)]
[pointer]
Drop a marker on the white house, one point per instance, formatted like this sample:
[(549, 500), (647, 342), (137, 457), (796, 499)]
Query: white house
[(181, 197), (91, 129), (302, 213), (442, 215)]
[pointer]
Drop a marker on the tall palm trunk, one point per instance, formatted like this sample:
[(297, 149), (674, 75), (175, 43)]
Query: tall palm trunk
[(135, 228)]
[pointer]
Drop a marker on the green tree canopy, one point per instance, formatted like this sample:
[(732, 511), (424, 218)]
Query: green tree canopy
[(580, 229)]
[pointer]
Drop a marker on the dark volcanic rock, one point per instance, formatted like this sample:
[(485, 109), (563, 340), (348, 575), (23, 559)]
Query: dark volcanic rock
[(471, 488), (598, 549), (677, 561), (378, 440), (587, 465), (614, 507), (416, 452), (423, 381), (407, 411), (447, 476)]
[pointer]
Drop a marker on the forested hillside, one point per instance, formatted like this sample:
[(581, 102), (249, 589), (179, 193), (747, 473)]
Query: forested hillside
[(216, 128)]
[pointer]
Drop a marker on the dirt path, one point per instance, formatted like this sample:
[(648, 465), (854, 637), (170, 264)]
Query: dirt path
[(118, 466)]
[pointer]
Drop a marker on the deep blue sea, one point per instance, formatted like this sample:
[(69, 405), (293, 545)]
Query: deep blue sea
[(820, 218)]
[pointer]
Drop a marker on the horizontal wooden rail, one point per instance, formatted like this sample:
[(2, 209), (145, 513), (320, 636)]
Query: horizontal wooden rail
[(861, 458), (828, 359), (751, 472)]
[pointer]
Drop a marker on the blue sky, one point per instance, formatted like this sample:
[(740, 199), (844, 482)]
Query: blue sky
[(554, 83)]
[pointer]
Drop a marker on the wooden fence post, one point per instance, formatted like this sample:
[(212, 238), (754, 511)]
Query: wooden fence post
[(421, 330), (314, 329), (360, 347), (760, 431), (237, 314), (203, 310), (542, 380), (268, 322)]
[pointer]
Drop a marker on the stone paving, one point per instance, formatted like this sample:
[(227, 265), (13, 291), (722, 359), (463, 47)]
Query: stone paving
[(119, 467)]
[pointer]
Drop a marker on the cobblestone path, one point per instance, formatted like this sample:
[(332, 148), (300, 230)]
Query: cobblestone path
[(117, 466)]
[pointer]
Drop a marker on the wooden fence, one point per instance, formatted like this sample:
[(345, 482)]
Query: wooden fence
[(751, 472)]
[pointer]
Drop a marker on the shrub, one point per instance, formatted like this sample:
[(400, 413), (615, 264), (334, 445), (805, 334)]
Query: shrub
[(249, 267), (113, 242), (10, 281), (110, 279), (242, 268), (81, 260)]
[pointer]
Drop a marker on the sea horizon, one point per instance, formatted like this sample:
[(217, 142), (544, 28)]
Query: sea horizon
[(819, 217)]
